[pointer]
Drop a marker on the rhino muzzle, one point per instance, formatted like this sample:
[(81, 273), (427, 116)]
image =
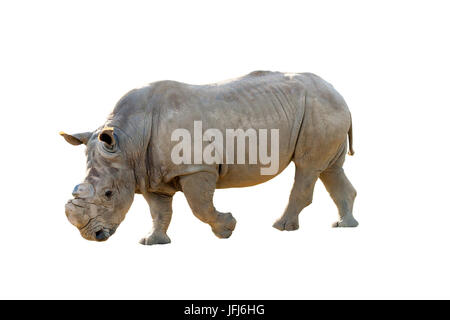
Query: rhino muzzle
[(91, 228), (76, 214)]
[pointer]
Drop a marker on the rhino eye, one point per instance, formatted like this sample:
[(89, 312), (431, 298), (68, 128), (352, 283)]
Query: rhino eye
[(108, 194)]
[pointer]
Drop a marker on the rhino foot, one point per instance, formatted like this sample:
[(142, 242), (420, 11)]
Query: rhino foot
[(349, 222), (224, 226), (155, 238), (285, 224)]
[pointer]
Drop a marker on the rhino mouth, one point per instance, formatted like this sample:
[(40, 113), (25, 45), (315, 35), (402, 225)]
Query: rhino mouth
[(103, 234), (97, 233)]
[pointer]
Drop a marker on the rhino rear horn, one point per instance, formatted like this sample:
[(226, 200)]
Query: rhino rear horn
[(77, 138)]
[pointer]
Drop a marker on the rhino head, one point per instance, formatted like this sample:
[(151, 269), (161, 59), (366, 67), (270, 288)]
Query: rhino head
[(102, 200)]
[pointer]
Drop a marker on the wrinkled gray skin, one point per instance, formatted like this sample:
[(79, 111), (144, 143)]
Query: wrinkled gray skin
[(131, 152)]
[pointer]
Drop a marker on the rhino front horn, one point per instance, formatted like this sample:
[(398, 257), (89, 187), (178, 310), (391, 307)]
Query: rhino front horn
[(83, 190)]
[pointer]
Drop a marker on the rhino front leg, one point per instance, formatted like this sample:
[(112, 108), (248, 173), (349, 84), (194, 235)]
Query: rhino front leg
[(301, 197), (199, 190), (161, 211)]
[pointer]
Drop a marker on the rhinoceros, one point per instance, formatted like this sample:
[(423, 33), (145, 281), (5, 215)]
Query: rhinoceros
[(133, 151)]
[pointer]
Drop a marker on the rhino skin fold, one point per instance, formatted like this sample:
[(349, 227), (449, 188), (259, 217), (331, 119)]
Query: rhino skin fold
[(131, 152)]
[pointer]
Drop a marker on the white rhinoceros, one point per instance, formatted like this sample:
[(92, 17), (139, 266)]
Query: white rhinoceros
[(133, 152)]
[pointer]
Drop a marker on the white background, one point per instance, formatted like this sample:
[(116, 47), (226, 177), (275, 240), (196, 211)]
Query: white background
[(64, 65)]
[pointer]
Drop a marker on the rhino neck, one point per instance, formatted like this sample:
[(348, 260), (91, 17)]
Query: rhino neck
[(134, 142), (135, 125)]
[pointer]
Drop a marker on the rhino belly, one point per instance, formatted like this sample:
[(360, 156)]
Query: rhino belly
[(233, 175), (238, 176)]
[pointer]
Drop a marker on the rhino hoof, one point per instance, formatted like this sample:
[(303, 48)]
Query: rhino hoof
[(345, 223), (155, 238), (286, 225), (224, 226)]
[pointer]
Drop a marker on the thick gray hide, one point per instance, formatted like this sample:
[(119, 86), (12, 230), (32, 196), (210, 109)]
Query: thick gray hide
[(131, 153)]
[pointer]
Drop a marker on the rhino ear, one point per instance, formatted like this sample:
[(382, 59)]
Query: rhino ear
[(108, 137), (77, 138)]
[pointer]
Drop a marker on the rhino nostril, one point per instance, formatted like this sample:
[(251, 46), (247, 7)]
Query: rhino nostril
[(101, 235)]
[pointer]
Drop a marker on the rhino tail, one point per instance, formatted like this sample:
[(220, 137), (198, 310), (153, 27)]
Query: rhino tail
[(350, 140)]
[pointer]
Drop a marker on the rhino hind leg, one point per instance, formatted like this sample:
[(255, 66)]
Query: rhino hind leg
[(343, 195), (341, 190), (198, 189), (161, 211), (301, 197)]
